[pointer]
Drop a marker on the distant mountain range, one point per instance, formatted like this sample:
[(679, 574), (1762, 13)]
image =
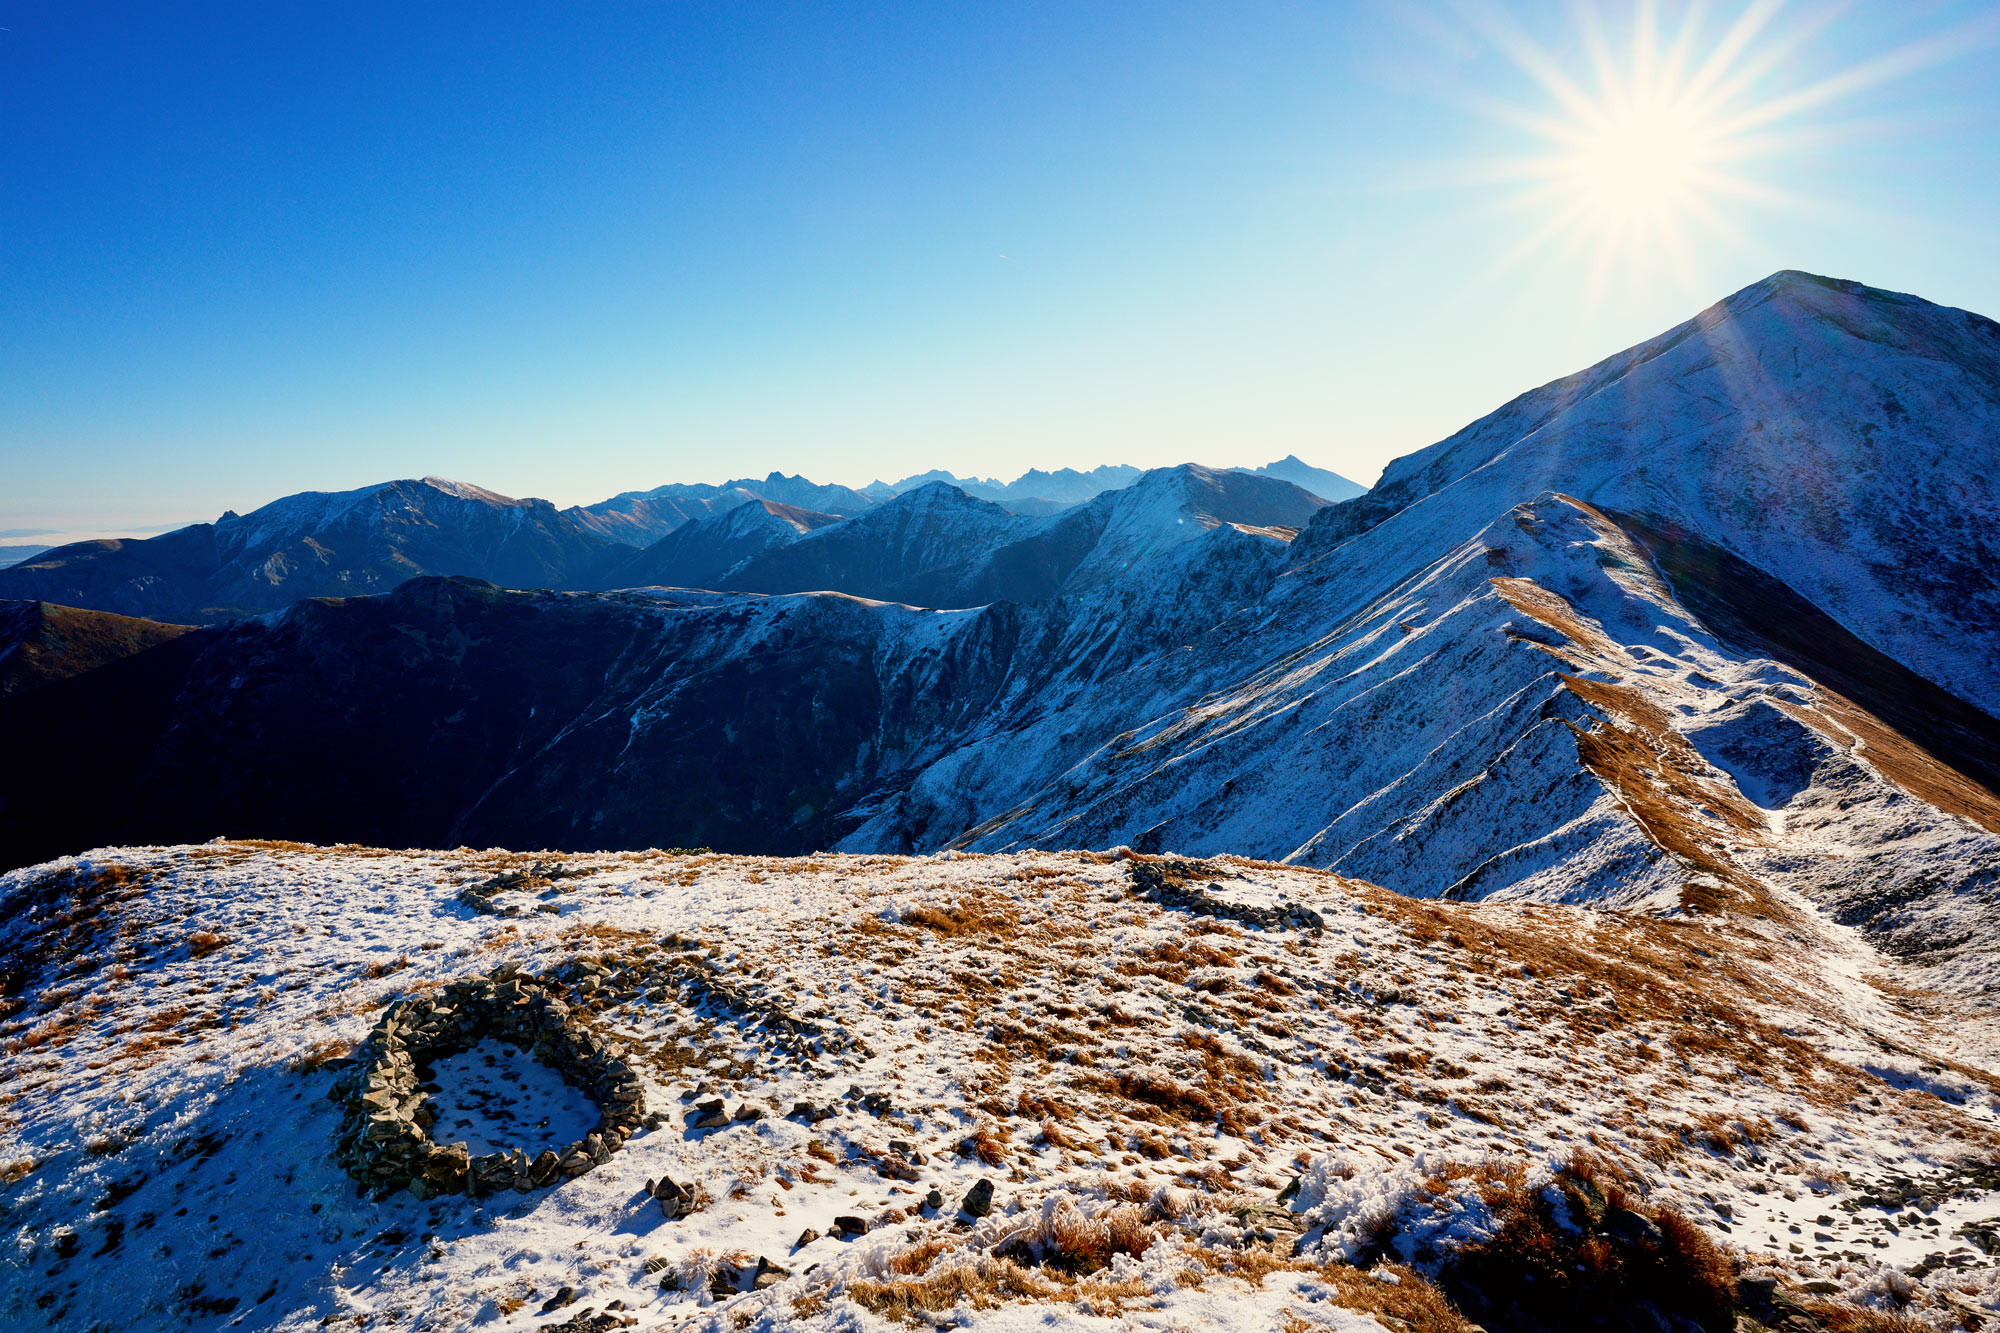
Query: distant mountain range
[(340, 544), (1039, 492), (640, 518), (321, 544), (1716, 620), (937, 546)]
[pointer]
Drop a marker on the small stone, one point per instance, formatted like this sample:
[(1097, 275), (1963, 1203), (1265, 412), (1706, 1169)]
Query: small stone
[(768, 1274), (1756, 1291), (749, 1111), (712, 1120), (850, 1226), (676, 1201), (806, 1237), (556, 1302), (934, 1200), (979, 1199), (1630, 1228)]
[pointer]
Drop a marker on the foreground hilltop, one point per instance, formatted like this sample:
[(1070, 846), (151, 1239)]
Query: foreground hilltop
[(1166, 1092)]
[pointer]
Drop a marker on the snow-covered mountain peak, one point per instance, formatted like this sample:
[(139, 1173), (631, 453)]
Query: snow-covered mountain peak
[(1842, 439), (940, 497), (465, 490)]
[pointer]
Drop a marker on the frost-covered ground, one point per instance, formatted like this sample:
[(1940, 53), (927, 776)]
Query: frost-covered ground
[(1146, 1074)]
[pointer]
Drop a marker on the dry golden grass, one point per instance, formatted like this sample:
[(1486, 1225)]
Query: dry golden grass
[(987, 1143), (1840, 1317), (1412, 1298), (1081, 1243), (979, 1281), (1162, 1093), (1540, 1262), (1897, 758), (316, 1055)]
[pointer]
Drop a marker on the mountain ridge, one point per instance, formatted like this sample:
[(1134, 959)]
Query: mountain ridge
[(1526, 674), (938, 546)]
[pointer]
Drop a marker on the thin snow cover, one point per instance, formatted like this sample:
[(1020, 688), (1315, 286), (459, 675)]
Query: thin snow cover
[(1139, 1079), (496, 1096)]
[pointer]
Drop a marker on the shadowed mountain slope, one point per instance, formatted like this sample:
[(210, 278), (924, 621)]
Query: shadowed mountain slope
[(41, 644)]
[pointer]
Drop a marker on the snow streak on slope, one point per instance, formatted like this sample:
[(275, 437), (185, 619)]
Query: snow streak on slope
[(1097, 1035)]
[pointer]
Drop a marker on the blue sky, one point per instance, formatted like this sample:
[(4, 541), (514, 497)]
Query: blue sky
[(567, 250)]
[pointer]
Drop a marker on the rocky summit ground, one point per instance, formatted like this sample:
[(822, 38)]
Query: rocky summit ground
[(1087, 1090)]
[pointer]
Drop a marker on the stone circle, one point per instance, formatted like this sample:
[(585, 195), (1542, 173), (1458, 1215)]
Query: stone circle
[(384, 1138)]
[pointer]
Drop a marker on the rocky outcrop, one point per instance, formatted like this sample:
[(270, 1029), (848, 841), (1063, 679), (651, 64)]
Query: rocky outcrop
[(1165, 882), (384, 1139)]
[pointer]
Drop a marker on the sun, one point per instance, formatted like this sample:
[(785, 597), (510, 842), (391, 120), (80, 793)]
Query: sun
[(1642, 164), (1648, 148)]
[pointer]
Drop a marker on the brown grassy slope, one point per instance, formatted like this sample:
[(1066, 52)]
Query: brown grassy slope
[(41, 643)]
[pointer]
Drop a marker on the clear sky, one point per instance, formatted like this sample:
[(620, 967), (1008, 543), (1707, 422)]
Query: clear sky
[(572, 249)]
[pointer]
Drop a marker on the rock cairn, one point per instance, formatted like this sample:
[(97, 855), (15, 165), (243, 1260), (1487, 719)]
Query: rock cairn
[(1165, 882), (541, 874), (384, 1139), (675, 971)]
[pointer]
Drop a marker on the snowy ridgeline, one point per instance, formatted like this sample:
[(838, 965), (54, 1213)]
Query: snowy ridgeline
[(1140, 1057)]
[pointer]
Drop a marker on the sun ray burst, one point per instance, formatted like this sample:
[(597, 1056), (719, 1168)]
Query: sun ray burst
[(1650, 149)]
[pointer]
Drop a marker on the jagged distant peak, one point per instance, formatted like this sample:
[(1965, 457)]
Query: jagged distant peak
[(1319, 481)]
